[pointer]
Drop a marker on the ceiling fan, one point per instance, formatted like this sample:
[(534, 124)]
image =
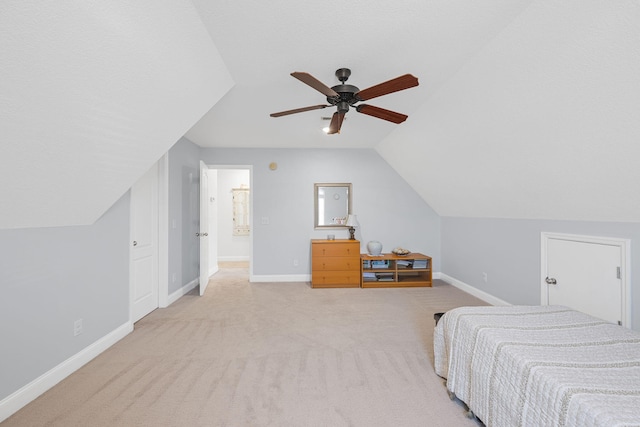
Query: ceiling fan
[(344, 96)]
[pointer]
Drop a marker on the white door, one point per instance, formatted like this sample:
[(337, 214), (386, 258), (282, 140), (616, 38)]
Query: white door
[(204, 227), (585, 276), (144, 245), (213, 221)]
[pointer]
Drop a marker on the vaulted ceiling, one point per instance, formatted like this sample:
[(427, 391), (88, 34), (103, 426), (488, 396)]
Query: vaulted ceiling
[(263, 42), (91, 95), (525, 109)]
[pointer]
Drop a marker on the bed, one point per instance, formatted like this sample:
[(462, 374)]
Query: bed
[(539, 366)]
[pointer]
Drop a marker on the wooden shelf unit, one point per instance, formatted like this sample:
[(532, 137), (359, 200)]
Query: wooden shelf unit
[(335, 263), (398, 274)]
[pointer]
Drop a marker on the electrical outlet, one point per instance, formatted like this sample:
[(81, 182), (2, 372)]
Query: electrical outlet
[(173, 278), (77, 327), (296, 263), (485, 277), (264, 220)]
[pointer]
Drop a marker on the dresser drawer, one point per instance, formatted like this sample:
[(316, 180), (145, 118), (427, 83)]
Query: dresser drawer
[(336, 249), (336, 263), (335, 279)]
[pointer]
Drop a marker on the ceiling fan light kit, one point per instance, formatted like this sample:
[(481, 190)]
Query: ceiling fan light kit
[(343, 96)]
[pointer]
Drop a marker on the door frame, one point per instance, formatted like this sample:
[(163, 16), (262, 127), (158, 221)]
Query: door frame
[(625, 266), (251, 222), (163, 231), (203, 234), (162, 238)]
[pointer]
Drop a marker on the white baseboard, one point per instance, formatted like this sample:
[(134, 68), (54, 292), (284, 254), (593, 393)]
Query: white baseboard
[(20, 398), (233, 258), (175, 296), (281, 278), (486, 297)]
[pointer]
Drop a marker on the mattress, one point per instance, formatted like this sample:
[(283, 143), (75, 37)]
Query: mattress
[(540, 366)]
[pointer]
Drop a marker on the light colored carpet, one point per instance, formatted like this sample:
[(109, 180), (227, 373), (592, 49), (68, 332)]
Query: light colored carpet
[(267, 354)]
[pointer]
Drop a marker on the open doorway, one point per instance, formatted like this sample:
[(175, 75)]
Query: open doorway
[(230, 202)]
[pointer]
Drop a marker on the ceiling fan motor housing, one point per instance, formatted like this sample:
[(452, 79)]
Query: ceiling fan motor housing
[(346, 93), (347, 96)]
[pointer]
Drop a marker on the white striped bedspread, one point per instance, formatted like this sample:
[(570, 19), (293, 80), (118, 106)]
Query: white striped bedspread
[(540, 366)]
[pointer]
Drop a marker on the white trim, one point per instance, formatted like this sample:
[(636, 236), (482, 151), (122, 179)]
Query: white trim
[(20, 398), (175, 296), (251, 222), (473, 291), (280, 278), (213, 269), (163, 231), (625, 268)]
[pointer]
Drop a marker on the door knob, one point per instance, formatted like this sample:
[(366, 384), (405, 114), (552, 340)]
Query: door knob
[(205, 234), (550, 280), (197, 234), (135, 243)]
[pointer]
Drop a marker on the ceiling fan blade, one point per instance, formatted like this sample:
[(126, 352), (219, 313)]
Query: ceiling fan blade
[(336, 123), (299, 110), (381, 113), (308, 79), (390, 86)]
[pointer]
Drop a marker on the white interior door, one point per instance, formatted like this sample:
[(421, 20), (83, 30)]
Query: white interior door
[(585, 276), (144, 245), (213, 221), (204, 227)]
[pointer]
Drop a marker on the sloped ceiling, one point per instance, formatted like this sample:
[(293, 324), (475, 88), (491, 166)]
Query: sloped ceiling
[(92, 94), (525, 109), (263, 42), (544, 122)]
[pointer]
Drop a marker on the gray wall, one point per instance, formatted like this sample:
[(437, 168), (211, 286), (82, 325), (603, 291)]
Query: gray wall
[(184, 213), (509, 252), (49, 277), (388, 209)]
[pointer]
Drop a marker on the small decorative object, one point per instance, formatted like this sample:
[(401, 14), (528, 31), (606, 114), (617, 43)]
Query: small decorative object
[(352, 223), (331, 237), (400, 251), (374, 247)]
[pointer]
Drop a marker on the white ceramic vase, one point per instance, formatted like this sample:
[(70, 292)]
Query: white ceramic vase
[(374, 247)]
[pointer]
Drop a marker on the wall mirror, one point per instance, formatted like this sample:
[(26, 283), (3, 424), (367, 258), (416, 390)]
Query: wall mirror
[(332, 203)]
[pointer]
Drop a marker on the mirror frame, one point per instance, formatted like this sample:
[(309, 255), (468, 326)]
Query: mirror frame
[(316, 204)]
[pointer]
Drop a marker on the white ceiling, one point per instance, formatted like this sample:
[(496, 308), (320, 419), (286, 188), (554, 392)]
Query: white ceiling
[(263, 42), (543, 122), (92, 94), (525, 109)]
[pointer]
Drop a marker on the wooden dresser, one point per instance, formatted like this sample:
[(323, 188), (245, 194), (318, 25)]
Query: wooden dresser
[(335, 263)]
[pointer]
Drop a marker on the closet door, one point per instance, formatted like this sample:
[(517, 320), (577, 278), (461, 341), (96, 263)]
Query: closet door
[(585, 276), (144, 245)]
